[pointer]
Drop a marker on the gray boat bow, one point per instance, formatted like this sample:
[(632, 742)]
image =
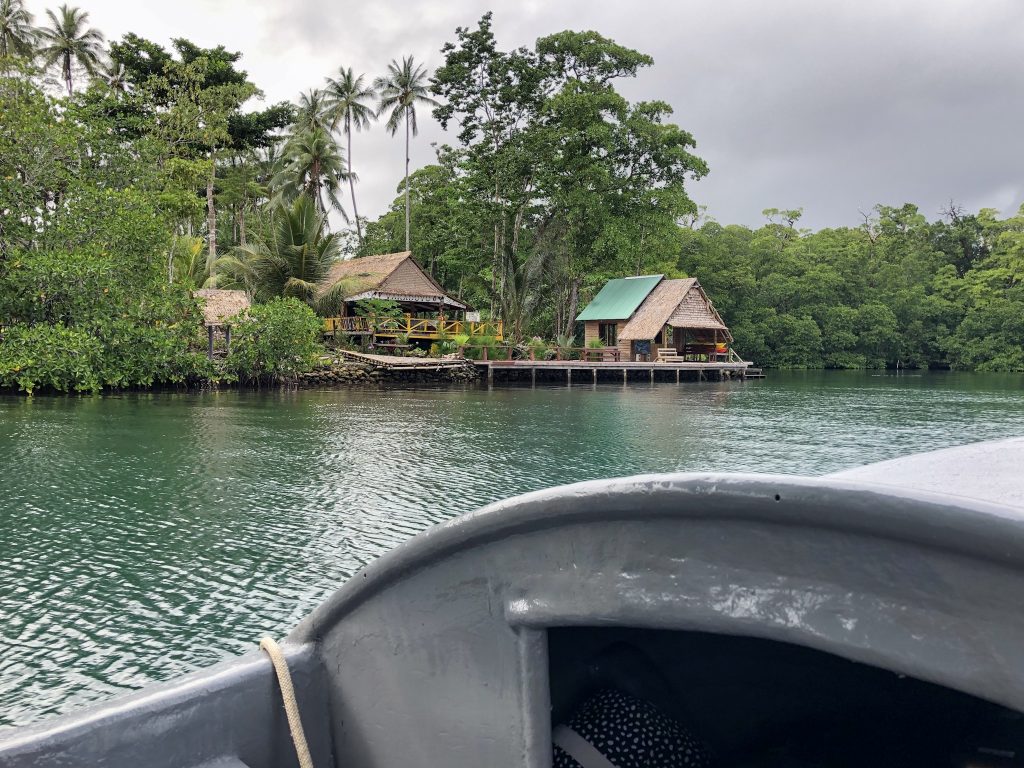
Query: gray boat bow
[(454, 649)]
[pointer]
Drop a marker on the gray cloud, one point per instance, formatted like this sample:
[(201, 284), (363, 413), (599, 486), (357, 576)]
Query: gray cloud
[(796, 103)]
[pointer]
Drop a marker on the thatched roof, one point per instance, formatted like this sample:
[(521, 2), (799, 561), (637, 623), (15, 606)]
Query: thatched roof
[(678, 303), (363, 274), (220, 305), (391, 275), (697, 311), (651, 316)]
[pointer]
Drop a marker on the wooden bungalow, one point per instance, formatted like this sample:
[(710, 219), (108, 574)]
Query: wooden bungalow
[(428, 311), (219, 308), (650, 318)]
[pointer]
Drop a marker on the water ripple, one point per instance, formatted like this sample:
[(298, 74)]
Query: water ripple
[(144, 536)]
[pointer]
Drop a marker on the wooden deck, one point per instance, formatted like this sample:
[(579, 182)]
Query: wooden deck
[(582, 371), (430, 329), (571, 371)]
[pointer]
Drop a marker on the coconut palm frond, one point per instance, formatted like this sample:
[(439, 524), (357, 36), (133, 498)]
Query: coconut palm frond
[(69, 41), (403, 87), (313, 164), (292, 259), (350, 104), (331, 301), (17, 35)]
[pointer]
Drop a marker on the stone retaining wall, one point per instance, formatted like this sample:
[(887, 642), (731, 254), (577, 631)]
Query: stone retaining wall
[(350, 374)]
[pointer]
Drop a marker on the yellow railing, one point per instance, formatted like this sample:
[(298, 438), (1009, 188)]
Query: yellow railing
[(415, 327), (335, 325)]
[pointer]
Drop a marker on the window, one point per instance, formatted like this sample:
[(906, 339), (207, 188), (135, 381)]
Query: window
[(608, 333)]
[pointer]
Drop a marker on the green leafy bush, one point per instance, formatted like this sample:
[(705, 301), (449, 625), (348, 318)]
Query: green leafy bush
[(147, 332), (277, 340), (50, 357)]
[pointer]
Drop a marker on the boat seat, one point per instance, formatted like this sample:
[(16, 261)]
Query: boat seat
[(766, 703)]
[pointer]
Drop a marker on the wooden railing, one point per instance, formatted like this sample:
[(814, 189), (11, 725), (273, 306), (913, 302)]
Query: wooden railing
[(583, 354), (415, 327), (698, 353), (334, 325)]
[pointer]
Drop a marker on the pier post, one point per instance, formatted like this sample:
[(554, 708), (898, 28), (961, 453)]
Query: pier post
[(595, 375), (652, 375), (568, 376), (490, 374), (624, 377), (677, 375), (533, 377)]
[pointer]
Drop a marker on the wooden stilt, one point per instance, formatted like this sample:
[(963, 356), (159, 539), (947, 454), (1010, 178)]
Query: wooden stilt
[(595, 375), (624, 373), (568, 376), (677, 375), (209, 334), (652, 375), (533, 377)]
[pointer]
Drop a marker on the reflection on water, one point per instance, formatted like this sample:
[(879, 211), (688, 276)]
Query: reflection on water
[(143, 536)]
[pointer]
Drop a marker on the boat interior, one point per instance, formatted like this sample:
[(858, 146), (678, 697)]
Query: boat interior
[(757, 702)]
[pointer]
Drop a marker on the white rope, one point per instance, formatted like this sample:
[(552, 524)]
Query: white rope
[(291, 704), (579, 749)]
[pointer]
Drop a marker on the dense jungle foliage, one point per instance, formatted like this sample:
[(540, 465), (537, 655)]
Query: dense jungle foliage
[(132, 174), (897, 290)]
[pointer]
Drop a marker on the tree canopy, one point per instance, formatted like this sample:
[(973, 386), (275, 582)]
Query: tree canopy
[(148, 171)]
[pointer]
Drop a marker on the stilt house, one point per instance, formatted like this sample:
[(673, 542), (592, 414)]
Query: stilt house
[(394, 277), (219, 309), (651, 318), (427, 311)]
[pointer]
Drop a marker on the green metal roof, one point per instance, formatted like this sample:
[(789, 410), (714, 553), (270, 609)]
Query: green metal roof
[(619, 299)]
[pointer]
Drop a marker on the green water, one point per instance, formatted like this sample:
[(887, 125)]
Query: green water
[(144, 536)]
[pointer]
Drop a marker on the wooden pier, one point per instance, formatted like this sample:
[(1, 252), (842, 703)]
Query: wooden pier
[(568, 371), (582, 371)]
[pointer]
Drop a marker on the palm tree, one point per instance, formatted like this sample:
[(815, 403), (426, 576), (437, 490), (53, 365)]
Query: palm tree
[(401, 89), (312, 164), (116, 77), (312, 111), (292, 259), (346, 104), (68, 40), (17, 35)]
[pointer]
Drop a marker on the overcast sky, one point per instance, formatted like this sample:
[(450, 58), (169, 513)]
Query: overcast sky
[(827, 105)]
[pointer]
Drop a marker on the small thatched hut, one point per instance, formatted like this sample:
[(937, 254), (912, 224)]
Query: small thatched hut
[(393, 277), (219, 307), (644, 314)]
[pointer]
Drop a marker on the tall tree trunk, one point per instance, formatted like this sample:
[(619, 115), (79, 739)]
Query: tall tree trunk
[(351, 182), (407, 180), (67, 72), (241, 226), (497, 252), (574, 300), (170, 257), (318, 187), (211, 214)]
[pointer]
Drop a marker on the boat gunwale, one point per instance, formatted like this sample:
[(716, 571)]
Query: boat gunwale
[(959, 526)]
